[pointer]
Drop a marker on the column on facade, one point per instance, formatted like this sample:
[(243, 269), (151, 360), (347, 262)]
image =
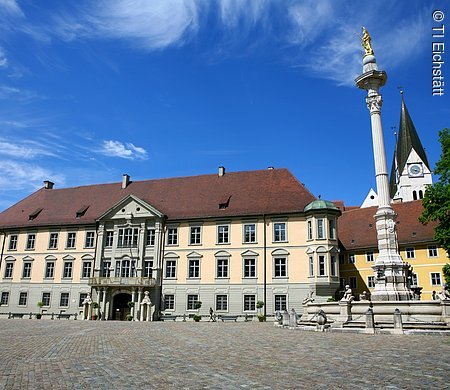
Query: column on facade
[(133, 308), (158, 261), (141, 251), (104, 316), (141, 316), (99, 250)]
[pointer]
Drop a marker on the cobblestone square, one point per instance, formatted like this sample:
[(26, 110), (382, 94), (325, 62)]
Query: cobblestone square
[(64, 354)]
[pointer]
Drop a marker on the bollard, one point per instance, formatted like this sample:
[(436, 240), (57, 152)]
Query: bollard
[(246, 318), (31, 314), (370, 322), (9, 315), (398, 323), (53, 316), (184, 317), (75, 316)]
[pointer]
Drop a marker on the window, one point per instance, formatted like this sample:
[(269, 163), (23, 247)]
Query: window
[(371, 281), (127, 268), (410, 253), (310, 231), (332, 228), (12, 242), (53, 241), (196, 235), (311, 266), (71, 237), (249, 233), (351, 258), (151, 234), (128, 237), (333, 265), (249, 302), (223, 234), (89, 242), (435, 278), (194, 268), (369, 256), (341, 259), (279, 231), (432, 251), (86, 269), (322, 267), (171, 268), (5, 298), (64, 299), (109, 238), (280, 302), (9, 267), (23, 297), (148, 268), (320, 230), (414, 279), (352, 282), (169, 302), (67, 269), (26, 272), (106, 269), (31, 241), (192, 299), (50, 269), (81, 299), (222, 302), (280, 265), (172, 236), (46, 299), (249, 268), (222, 268)]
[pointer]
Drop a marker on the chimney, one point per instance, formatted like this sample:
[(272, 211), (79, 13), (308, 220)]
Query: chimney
[(48, 185), (221, 171), (125, 180)]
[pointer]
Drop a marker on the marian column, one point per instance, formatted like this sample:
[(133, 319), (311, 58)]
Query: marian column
[(391, 282)]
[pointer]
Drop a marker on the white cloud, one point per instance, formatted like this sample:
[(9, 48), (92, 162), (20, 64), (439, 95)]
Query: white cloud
[(26, 149), (11, 7), (18, 175), (3, 59), (129, 151)]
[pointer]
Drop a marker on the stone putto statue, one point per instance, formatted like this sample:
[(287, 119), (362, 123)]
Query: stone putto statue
[(348, 297), (309, 298)]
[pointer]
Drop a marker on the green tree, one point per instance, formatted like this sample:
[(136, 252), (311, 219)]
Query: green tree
[(436, 201)]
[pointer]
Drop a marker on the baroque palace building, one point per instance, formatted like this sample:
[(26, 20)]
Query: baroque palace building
[(228, 240)]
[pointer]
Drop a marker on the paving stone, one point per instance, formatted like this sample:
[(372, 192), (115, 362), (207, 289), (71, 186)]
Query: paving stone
[(49, 354)]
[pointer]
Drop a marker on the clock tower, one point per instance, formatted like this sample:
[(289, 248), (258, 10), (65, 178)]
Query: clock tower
[(410, 172)]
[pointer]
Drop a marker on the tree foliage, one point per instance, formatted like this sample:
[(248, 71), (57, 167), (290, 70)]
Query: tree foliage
[(436, 201)]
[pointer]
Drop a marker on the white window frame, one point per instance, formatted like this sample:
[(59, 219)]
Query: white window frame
[(311, 265), (47, 263), (9, 270), (89, 241), (109, 238), (371, 281), (222, 268), (333, 265), (172, 302), (53, 240), (278, 267), (433, 280), (320, 228), (249, 236), (280, 235), (332, 228), (67, 262), (64, 293), (278, 299), (28, 269), (190, 303), (433, 251), (223, 234), (322, 265), (410, 252), (147, 272), (249, 267), (172, 268), (31, 242), (309, 229), (195, 235), (151, 237), (172, 236), (23, 294), (226, 301), (252, 309), (71, 240), (370, 257), (83, 269), (13, 240), (49, 299), (351, 258), (4, 302), (193, 265)]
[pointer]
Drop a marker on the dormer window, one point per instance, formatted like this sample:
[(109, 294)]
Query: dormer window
[(225, 202), (82, 211), (34, 214)]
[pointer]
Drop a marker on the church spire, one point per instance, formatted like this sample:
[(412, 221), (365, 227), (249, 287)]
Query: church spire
[(408, 150)]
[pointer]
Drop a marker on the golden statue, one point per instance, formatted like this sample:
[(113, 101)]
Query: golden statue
[(366, 42)]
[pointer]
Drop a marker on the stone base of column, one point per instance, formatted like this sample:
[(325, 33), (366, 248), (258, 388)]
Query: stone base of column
[(391, 282)]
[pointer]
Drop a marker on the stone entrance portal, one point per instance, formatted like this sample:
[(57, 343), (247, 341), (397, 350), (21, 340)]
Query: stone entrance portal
[(120, 306)]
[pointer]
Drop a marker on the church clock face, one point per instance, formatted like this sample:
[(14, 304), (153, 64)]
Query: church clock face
[(415, 170)]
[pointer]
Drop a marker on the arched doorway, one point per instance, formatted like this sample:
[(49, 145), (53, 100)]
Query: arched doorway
[(120, 306)]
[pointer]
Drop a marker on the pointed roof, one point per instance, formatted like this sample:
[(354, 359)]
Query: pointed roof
[(408, 139)]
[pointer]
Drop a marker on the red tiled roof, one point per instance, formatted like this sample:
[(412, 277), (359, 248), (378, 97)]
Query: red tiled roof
[(274, 191), (357, 227)]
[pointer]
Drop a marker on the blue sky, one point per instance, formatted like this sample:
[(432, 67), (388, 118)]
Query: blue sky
[(90, 90)]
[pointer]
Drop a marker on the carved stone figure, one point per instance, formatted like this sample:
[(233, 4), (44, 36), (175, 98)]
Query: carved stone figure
[(444, 294), (348, 297), (363, 296), (309, 298)]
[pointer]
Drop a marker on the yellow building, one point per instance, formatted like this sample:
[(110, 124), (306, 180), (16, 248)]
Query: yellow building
[(227, 240), (357, 237)]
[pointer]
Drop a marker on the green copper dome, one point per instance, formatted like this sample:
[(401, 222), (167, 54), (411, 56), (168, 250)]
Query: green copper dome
[(320, 204)]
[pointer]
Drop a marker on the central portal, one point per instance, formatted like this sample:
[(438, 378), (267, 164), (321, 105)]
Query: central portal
[(120, 306)]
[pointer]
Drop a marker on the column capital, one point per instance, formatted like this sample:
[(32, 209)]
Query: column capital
[(374, 104)]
